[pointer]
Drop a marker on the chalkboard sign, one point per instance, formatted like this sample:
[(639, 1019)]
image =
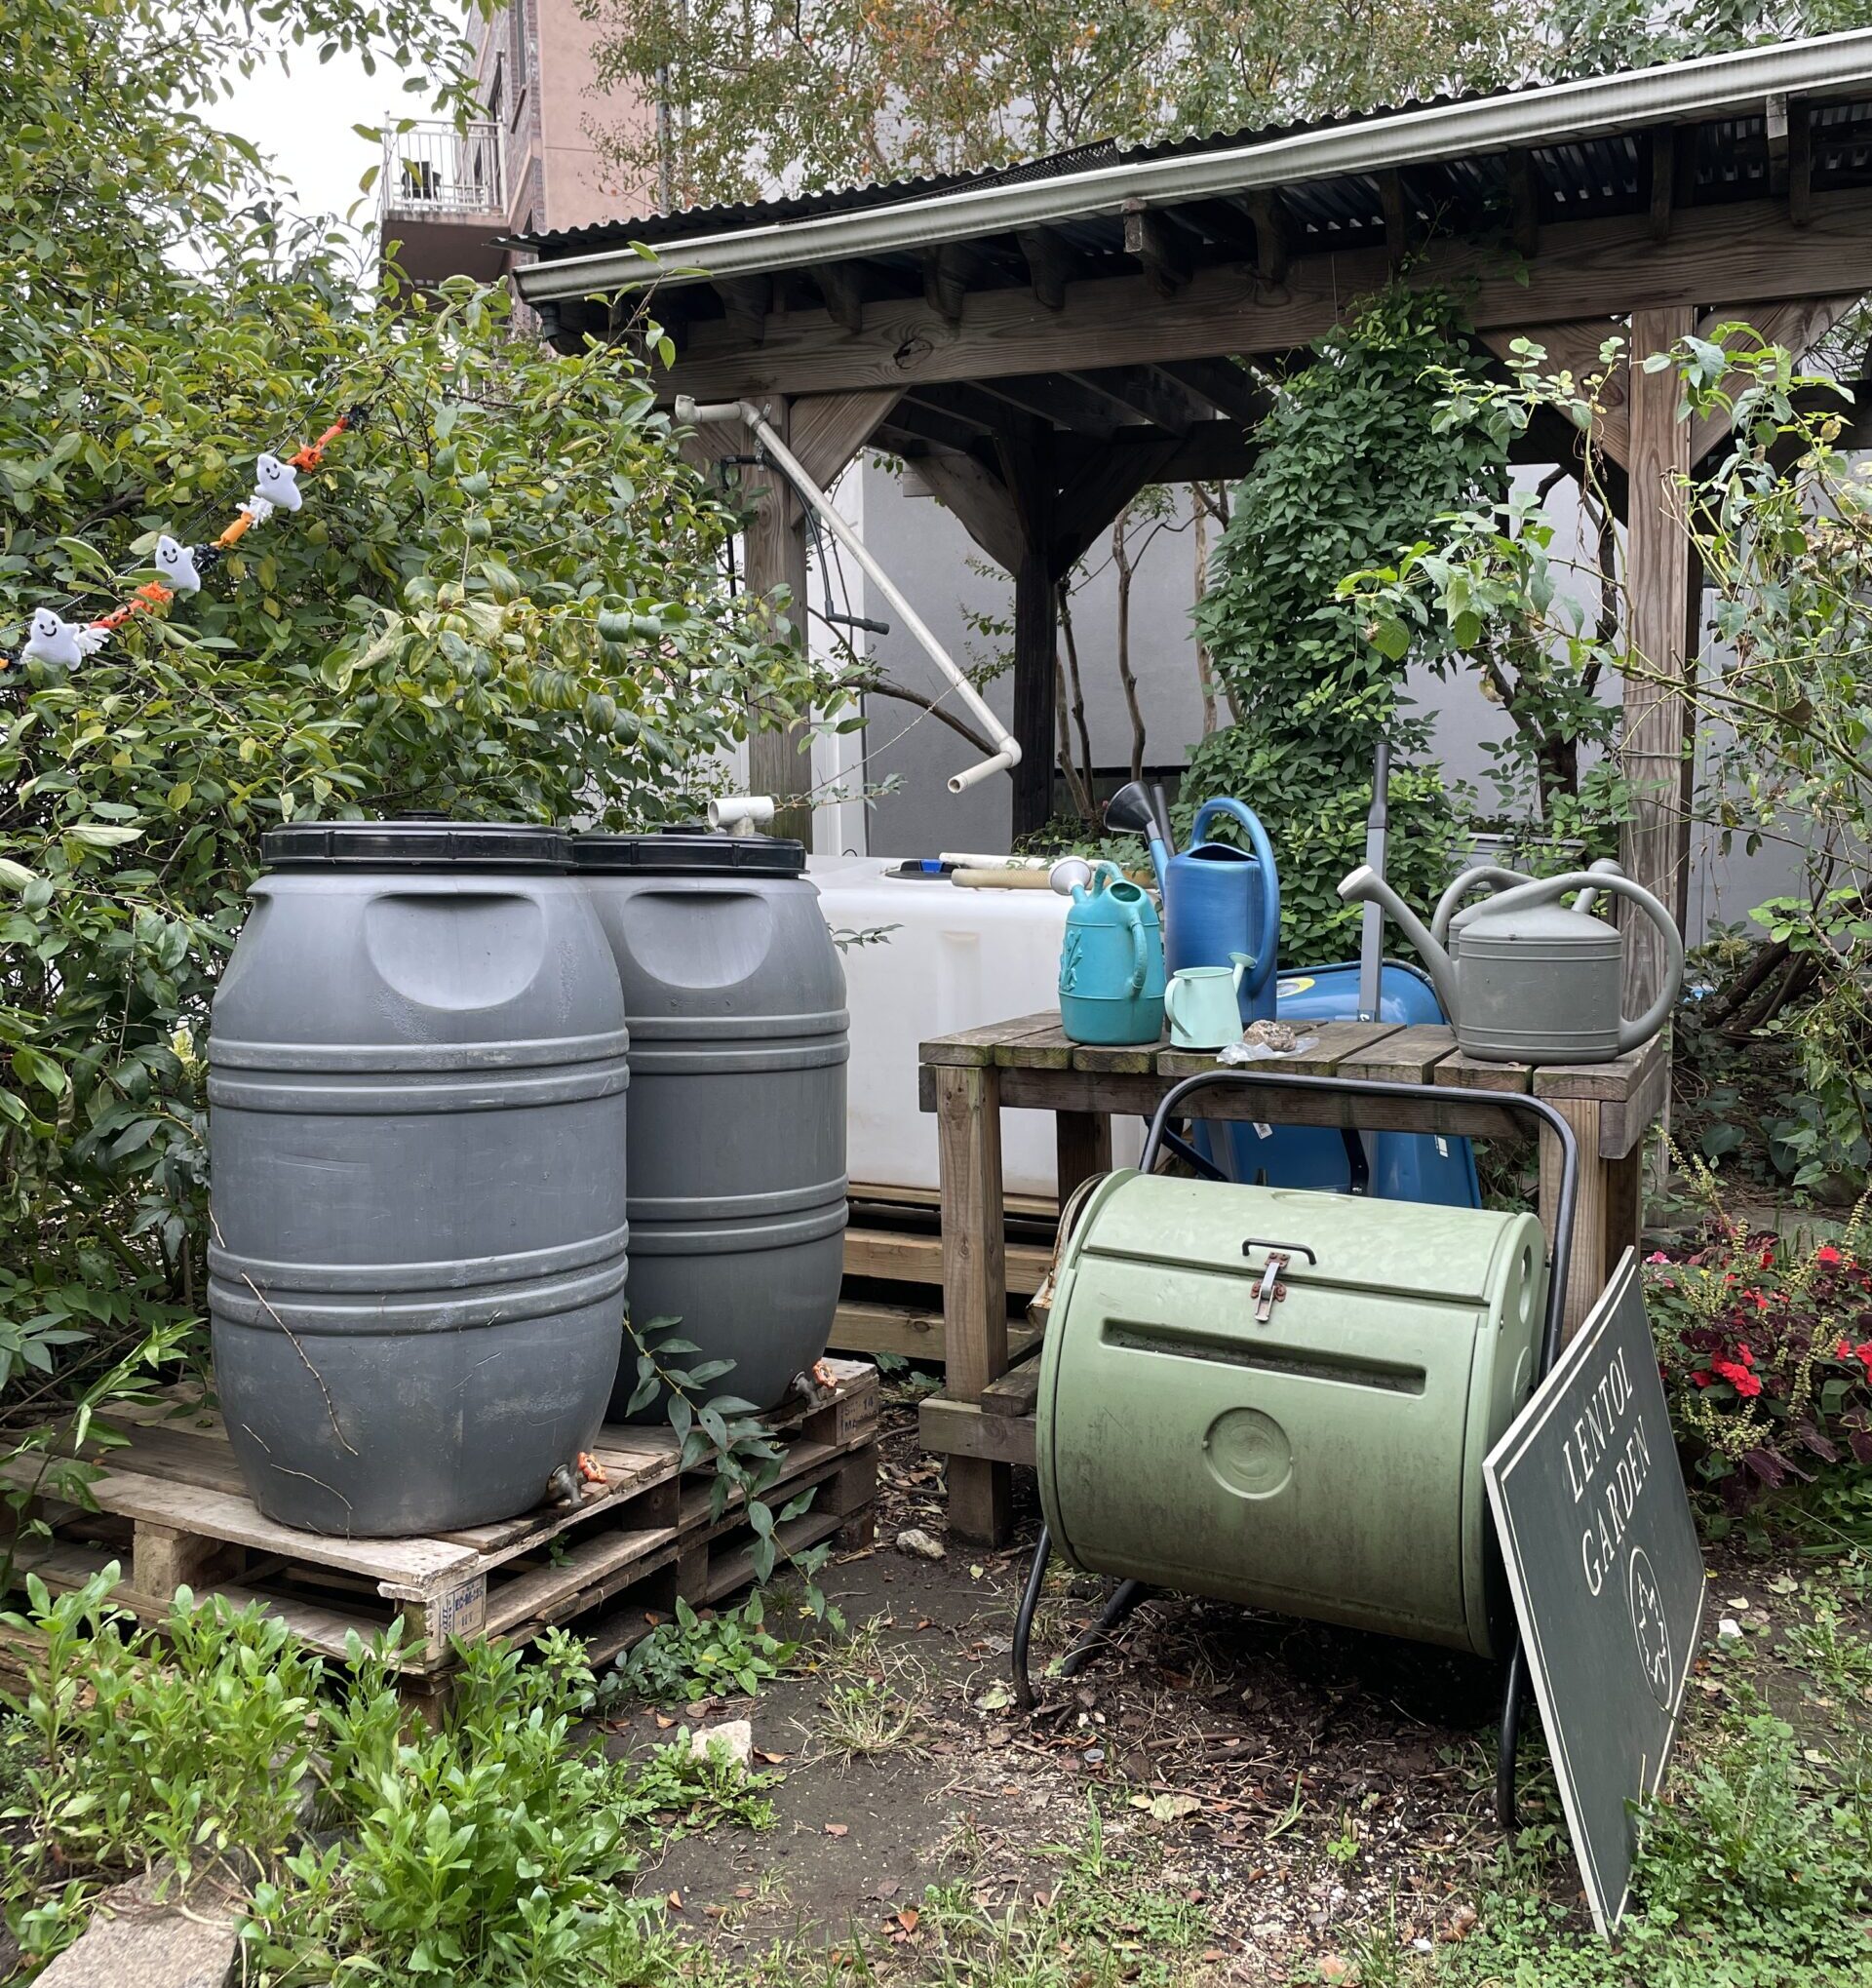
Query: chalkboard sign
[(1606, 1575)]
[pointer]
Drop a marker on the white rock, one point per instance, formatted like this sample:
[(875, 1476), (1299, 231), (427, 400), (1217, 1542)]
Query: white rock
[(919, 1544), (734, 1738), (137, 1939), (1729, 1630)]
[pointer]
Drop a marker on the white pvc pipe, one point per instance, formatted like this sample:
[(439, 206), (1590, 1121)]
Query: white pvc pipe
[(963, 859), (1007, 754), (737, 811)]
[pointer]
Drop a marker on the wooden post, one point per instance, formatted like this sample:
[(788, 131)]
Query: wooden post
[(1654, 845), (968, 1136), (1083, 1146), (779, 761), (1035, 632)]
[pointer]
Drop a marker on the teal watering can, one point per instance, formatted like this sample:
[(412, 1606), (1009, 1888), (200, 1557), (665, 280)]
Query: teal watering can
[(1219, 902), (1112, 962)]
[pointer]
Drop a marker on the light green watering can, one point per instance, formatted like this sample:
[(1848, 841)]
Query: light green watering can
[(1523, 978), (1203, 1003)]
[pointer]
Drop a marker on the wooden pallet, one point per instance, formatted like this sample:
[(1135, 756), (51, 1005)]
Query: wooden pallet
[(172, 1511), (893, 1291)]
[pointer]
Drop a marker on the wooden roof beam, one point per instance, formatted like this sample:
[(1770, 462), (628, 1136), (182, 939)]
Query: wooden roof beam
[(1157, 244), (1147, 394), (1663, 182), (746, 301), (1799, 164), (1273, 237), (950, 271), (1228, 388), (930, 418), (1057, 399), (845, 287), (1052, 262), (1524, 204), (1743, 250), (1397, 231), (1224, 222), (980, 500)]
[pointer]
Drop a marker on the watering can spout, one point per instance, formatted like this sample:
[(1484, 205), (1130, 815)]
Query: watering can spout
[(1131, 811), (1366, 886)]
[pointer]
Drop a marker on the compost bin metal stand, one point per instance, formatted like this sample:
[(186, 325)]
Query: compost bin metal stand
[(1126, 1596)]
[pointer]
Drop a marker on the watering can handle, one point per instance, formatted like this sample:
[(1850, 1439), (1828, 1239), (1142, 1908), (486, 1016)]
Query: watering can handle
[(1490, 873), (1631, 1034), (1266, 942), (1140, 947)]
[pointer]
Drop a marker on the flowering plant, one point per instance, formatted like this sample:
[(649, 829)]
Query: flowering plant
[(1766, 1348)]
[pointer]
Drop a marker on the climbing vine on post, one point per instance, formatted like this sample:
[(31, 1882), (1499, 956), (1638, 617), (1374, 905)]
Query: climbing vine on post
[(1352, 464)]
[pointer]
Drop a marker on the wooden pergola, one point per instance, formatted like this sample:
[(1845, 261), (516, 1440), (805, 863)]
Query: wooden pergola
[(1045, 342)]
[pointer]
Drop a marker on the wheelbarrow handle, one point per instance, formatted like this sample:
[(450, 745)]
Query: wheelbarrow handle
[(1536, 1111)]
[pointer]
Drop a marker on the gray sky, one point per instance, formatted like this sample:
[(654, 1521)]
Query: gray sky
[(303, 118)]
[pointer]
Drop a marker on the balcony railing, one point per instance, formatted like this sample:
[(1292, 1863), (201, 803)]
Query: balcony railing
[(440, 170)]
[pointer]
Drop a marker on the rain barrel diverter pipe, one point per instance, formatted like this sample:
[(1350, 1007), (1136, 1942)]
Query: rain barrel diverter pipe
[(1008, 753)]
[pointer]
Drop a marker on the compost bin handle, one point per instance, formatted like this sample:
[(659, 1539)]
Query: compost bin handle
[(1536, 1110)]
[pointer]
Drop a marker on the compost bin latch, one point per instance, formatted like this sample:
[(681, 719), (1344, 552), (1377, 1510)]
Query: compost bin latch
[(1270, 1290)]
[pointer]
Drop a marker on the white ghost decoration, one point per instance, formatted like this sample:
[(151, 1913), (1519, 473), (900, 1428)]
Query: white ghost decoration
[(65, 643), (175, 563), (276, 488)]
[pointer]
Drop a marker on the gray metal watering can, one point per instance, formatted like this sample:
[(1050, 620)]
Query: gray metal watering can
[(1523, 979)]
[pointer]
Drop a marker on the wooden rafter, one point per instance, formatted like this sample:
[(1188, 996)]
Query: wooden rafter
[(1058, 399), (1052, 262), (846, 288), (746, 301), (1158, 246), (1272, 237), (1144, 393), (1744, 251), (1225, 386)]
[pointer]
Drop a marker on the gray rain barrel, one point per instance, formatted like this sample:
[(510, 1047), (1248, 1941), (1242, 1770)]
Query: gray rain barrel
[(416, 1091), (736, 1005)]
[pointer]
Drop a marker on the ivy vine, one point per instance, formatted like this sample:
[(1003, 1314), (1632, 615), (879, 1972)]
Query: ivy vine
[(1352, 463)]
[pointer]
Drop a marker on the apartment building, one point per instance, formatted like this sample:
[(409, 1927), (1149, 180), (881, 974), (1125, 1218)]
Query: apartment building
[(447, 197)]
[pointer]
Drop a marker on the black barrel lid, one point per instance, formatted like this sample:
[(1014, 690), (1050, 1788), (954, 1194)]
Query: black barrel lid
[(414, 842), (691, 852)]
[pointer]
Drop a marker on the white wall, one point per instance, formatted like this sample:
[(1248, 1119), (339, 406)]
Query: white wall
[(929, 555)]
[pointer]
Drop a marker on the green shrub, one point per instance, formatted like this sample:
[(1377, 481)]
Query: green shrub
[(1352, 465)]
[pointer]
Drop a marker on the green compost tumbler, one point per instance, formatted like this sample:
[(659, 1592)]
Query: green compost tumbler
[(1282, 1398)]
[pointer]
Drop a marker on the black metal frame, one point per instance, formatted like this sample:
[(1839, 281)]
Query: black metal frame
[(1128, 1593)]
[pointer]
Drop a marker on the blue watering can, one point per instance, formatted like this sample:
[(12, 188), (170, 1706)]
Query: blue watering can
[(1112, 960), (1218, 901)]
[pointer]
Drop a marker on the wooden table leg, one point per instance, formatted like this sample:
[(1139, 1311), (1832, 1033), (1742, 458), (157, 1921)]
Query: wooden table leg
[(1591, 1261), (1082, 1141), (968, 1133)]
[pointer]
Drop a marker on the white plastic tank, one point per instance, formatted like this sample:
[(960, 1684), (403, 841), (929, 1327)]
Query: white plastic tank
[(953, 959)]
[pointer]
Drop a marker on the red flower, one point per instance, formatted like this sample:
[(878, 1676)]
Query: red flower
[(1702, 1377), (1768, 1255), (1827, 1254), (1743, 1354), (1843, 1350), (1739, 1378)]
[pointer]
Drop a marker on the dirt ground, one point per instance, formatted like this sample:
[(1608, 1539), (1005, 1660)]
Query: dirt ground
[(1306, 1781)]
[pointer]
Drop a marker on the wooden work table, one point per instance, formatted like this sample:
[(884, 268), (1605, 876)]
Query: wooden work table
[(982, 1422)]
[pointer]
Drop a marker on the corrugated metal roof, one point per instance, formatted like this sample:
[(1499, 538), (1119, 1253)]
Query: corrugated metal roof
[(874, 193), (1586, 140), (1580, 178)]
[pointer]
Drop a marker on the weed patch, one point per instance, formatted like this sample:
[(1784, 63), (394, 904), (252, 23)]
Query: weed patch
[(702, 1655)]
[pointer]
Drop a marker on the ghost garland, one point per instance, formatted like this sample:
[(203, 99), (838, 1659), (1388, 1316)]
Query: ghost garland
[(50, 638)]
